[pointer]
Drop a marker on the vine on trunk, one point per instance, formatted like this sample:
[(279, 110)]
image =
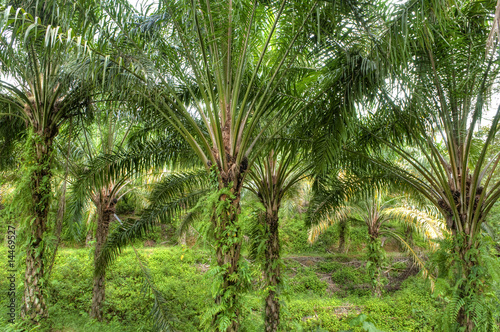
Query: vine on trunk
[(31, 206), (376, 258), (468, 274)]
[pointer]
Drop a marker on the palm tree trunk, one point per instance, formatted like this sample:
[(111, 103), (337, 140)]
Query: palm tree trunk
[(106, 209), (342, 233), (375, 259), (228, 254), (228, 249), (34, 306), (272, 271), (409, 234), (90, 237), (469, 262)]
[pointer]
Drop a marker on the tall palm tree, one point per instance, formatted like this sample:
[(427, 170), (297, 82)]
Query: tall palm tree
[(445, 83), (231, 75), (44, 92)]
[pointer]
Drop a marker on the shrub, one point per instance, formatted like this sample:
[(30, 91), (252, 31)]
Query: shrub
[(306, 281), (329, 267)]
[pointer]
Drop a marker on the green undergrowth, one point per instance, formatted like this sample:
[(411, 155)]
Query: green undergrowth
[(318, 297)]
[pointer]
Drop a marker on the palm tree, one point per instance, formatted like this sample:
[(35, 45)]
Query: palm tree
[(45, 93), (270, 180), (227, 93), (108, 134), (339, 199), (444, 84), (231, 76), (115, 156)]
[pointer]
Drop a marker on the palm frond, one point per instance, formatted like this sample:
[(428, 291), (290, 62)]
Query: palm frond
[(339, 215), (175, 193), (416, 258), (428, 222), (162, 317)]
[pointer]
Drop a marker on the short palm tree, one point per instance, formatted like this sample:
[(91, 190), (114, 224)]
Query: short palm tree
[(116, 157), (374, 208), (107, 135), (270, 180)]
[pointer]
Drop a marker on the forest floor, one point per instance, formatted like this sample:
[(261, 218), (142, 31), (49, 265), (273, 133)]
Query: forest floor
[(322, 292)]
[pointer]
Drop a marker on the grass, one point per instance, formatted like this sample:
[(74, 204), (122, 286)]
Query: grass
[(319, 296)]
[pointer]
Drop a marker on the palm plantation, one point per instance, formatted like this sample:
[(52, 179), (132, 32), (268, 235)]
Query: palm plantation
[(206, 116)]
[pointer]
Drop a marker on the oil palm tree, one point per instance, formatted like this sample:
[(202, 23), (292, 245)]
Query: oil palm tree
[(342, 198), (116, 156), (232, 77), (444, 92), (232, 80), (109, 133), (270, 180), (43, 91)]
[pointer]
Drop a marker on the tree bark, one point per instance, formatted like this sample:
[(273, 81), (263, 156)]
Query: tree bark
[(272, 271), (375, 258), (342, 231), (106, 210), (34, 305), (228, 254)]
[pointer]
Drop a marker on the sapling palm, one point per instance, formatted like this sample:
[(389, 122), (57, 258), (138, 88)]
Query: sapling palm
[(106, 136), (341, 200)]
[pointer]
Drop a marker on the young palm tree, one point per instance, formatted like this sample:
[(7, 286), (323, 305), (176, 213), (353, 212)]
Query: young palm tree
[(270, 180), (115, 154), (108, 134), (374, 208)]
